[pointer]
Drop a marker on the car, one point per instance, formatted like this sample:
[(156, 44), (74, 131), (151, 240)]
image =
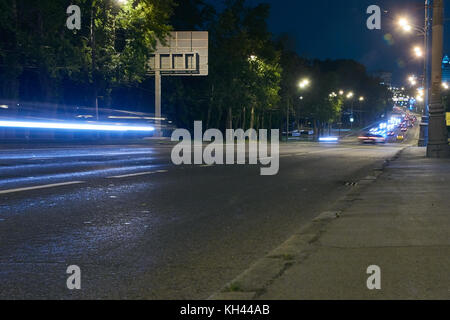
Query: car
[(372, 138), (400, 137), (391, 133), (404, 129)]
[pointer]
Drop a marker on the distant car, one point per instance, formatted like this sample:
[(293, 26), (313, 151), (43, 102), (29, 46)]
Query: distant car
[(404, 129), (307, 132), (372, 138), (400, 137), (391, 133)]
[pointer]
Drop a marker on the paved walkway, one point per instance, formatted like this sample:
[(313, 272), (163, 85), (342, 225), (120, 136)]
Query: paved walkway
[(398, 220), (400, 223)]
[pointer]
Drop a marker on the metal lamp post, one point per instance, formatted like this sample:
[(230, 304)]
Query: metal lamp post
[(438, 136)]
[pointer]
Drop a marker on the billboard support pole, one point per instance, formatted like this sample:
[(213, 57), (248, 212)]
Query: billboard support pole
[(158, 132)]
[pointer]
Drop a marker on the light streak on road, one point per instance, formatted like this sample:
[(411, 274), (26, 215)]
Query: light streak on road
[(73, 126)]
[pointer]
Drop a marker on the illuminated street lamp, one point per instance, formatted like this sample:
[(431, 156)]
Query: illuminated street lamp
[(425, 52), (361, 99), (304, 83), (405, 25), (418, 52), (445, 85), (412, 80)]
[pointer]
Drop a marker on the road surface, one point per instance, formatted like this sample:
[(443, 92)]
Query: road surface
[(142, 228)]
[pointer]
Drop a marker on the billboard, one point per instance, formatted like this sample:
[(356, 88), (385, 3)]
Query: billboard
[(184, 54)]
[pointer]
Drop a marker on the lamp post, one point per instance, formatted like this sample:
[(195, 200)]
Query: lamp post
[(438, 137), (350, 97), (303, 84), (408, 27)]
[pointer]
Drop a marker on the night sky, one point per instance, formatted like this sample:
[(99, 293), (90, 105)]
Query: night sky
[(337, 29)]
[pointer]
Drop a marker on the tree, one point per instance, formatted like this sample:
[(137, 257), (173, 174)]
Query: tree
[(111, 49)]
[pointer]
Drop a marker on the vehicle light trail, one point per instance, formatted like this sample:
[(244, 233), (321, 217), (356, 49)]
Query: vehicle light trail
[(73, 126)]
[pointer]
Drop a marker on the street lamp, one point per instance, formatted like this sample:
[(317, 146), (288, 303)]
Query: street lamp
[(408, 27), (303, 84), (350, 97), (412, 80), (405, 25), (418, 52)]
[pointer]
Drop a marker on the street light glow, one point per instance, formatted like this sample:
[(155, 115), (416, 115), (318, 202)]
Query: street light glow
[(405, 25), (403, 22), (304, 83), (418, 52), (361, 98), (350, 95), (412, 80)]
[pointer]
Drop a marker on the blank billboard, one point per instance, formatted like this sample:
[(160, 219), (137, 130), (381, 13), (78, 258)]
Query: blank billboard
[(185, 53)]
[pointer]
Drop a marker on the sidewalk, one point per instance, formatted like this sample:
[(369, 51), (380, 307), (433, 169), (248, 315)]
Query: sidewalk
[(399, 221)]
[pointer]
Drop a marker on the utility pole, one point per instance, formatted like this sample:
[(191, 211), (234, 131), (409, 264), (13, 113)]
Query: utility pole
[(287, 121), (438, 137)]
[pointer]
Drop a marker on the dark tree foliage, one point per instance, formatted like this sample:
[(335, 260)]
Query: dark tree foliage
[(253, 78)]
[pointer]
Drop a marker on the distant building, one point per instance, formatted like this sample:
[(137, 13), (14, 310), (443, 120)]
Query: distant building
[(386, 78), (446, 69)]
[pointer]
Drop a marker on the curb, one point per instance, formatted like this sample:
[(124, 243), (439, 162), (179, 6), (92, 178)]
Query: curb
[(252, 283)]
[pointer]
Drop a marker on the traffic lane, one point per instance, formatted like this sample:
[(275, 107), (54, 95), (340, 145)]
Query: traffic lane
[(69, 167), (29, 168), (20, 168), (215, 220)]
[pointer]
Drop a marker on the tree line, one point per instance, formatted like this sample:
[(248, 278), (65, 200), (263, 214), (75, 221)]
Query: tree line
[(253, 75)]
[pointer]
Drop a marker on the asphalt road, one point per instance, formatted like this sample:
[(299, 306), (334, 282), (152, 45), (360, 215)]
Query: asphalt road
[(169, 232)]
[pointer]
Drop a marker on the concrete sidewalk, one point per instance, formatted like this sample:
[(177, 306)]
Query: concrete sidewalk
[(397, 219)]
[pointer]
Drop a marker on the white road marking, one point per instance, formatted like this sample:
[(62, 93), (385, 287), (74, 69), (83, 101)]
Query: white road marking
[(137, 174), (132, 175), (41, 187)]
